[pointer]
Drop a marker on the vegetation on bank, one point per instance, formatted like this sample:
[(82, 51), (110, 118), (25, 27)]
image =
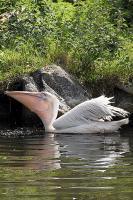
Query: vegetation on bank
[(91, 38)]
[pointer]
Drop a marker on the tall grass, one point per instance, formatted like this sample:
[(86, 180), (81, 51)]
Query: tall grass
[(91, 38), (14, 63)]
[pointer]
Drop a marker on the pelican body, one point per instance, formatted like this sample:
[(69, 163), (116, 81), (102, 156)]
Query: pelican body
[(91, 116)]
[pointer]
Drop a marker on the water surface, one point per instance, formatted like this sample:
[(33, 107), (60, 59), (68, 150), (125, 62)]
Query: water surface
[(66, 166)]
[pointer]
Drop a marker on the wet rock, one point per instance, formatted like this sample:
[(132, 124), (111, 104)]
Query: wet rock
[(64, 85), (29, 84), (124, 95), (128, 87), (56, 80)]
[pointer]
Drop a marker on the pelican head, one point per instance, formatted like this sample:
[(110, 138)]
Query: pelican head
[(44, 104)]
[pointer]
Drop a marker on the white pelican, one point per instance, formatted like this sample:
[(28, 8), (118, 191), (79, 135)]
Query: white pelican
[(92, 116)]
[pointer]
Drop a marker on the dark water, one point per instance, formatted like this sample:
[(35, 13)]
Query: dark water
[(67, 166)]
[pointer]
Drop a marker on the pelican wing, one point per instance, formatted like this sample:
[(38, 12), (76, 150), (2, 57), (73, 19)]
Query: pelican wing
[(92, 110)]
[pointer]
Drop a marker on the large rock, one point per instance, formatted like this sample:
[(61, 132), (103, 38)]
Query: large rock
[(128, 87), (56, 80), (63, 84), (124, 96)]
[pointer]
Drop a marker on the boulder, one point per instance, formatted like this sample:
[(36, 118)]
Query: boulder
[(128, 87), (65, 85), (124, 96)]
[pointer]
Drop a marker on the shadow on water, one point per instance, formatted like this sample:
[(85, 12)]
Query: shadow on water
[(66, 166)]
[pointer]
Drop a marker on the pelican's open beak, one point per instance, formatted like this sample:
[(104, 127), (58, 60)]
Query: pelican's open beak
[(32, 100), (39, 103)]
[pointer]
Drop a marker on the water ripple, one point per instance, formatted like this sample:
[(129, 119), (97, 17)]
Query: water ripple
[(65, 166)]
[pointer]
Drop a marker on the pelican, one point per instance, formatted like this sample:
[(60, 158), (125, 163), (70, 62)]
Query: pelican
[(91, 116)]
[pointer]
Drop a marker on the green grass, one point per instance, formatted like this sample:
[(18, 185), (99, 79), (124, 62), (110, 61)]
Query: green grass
[(121, 66), (18, 63), (92, 39)]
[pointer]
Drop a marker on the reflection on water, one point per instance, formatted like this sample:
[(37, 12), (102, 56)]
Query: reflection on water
[(67, 166)]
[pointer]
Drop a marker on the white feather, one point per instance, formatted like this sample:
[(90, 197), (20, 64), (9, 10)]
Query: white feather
[(88, 111)]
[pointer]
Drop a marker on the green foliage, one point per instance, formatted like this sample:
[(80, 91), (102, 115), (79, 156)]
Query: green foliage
[(123, 8), (92, 38), (14, 63)]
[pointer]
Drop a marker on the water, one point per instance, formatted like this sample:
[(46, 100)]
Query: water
[(66, 166)]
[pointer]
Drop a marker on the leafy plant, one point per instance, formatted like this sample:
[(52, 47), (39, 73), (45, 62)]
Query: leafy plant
[(91, 38)]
